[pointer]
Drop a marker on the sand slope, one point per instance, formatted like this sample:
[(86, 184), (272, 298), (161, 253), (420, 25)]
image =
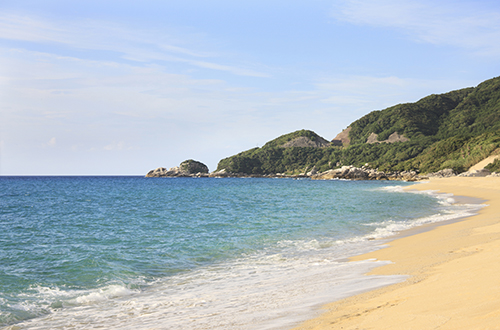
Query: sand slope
[(482, 164), (454, 273)]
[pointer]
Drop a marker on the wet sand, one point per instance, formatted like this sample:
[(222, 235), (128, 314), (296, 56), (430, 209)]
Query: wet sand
[(454, 272)]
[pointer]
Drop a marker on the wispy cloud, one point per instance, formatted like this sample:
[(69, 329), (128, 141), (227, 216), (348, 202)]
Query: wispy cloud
[(82, 91), (470, 26), (145, 46), (120, 145), (88, 34), (365, 93)]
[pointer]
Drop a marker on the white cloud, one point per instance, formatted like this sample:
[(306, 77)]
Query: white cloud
[(51, 144), (471, 26), (115, 146)]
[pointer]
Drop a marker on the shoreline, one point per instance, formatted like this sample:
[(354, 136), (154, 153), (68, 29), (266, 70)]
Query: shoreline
[(452, 270)]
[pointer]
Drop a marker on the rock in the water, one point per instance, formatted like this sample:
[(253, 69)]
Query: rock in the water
[(188, 168), (163, 172), (221, 174), (193, 167)]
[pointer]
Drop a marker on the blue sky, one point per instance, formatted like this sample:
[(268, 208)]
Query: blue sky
[(122, 87)]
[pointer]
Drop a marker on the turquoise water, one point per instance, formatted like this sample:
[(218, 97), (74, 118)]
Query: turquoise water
[(133, 252)]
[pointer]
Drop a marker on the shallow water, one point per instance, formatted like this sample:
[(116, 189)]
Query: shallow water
[(163, 253)]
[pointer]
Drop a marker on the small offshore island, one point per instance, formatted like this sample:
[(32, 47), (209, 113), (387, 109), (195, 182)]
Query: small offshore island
[(438, 136)]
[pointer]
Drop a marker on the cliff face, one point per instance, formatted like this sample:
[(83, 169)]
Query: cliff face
[(342, 139), (452, 130), (394, 137)]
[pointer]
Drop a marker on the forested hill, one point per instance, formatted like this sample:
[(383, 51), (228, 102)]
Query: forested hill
[(452, 130)]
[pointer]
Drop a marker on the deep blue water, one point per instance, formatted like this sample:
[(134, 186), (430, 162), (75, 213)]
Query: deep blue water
[(68, 243)]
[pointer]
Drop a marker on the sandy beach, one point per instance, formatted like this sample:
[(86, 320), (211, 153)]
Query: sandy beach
[(453, 269)]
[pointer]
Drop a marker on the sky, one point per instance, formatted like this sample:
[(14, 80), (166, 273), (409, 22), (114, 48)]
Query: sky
[(123, 87)]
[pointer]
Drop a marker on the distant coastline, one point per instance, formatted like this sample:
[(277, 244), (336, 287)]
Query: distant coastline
[(439, 135)]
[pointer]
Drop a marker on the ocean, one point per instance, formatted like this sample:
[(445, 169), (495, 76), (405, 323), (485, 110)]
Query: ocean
[(194, 253)]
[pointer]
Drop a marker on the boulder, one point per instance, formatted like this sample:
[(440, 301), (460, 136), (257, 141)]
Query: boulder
[(221, 174), (328, 175), (356, 173), (193, 167), (313, 171), (163, 172), (188, 168), (366, 173), (160, 171), (446, 173), (408, 176), (476, 173)]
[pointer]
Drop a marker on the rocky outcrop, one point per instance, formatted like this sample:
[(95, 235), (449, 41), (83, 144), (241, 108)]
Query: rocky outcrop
[(366, 173), (196, 169), (193, 167), (312, 172), (161, 172), (446, 173), (373, 138), (221, 174), (225, 174), (345, 172), (475, 173), (188, 168), (394, 137), (304, 141)]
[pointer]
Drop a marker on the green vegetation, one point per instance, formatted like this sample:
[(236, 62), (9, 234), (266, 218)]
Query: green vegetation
[(278, 142), (495, 166), (272, 158), (412, 120), (452, 130)]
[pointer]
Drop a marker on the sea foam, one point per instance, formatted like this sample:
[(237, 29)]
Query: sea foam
[(283, 254)]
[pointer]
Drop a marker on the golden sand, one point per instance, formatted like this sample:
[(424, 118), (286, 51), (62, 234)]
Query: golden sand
[(454, 273)]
